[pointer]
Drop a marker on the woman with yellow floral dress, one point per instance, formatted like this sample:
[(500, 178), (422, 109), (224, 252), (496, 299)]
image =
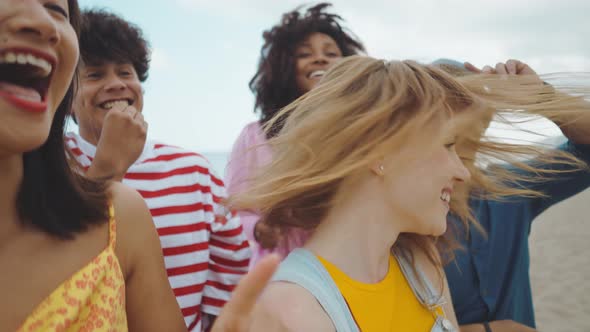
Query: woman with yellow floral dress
[(76, 255)]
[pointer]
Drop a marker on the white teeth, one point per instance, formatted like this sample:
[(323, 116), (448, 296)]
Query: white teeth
[(21, 59), (10, 57), (27, 58), (115, 103), (445, 196), (32, 60), (317, 73)]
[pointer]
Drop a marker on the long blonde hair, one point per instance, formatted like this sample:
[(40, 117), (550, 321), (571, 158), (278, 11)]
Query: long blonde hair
[(363, 109)]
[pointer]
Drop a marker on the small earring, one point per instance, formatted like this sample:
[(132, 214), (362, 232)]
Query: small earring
[(381, 169)]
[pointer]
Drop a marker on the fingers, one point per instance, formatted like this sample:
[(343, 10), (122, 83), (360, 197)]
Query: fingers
[(136, 115), (252, 285), (130, 116), (245, 295), (470, 67), (487, 70), (121, 107), (517, 67), (127, 109), (524, 69), (138, 118), (501, 69), (512, 66)]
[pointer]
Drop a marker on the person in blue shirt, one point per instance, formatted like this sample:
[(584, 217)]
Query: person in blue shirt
[(489, 279)]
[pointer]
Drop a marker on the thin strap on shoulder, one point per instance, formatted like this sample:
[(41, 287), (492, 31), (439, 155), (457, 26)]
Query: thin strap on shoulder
[(420, 284), (112, 226), (424, 291), (301, 267)]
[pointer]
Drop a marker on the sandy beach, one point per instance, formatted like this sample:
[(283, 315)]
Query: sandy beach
[(560, 266)]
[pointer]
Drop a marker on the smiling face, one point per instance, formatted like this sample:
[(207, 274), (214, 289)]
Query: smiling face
[(313, 57), (420, 186), (38, 57), (102, 88)]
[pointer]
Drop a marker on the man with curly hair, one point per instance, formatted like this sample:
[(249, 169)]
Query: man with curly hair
[(205, 249)]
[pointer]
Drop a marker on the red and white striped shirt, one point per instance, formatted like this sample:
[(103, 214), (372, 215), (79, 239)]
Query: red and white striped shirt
[(205, 249)]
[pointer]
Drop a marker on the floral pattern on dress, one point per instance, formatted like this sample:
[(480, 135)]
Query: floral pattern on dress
[(91, 300)]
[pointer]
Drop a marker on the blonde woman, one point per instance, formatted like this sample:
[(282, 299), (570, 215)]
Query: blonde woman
[(371, 162)]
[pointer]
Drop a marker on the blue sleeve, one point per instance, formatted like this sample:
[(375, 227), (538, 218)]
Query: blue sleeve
[(560, 186)]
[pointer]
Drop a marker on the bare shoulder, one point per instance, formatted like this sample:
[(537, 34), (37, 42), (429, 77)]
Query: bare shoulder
[(126, 201), (136, 232), (131, 212), (286, 306)]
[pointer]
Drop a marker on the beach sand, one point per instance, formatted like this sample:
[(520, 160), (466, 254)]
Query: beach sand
[(560, 266)]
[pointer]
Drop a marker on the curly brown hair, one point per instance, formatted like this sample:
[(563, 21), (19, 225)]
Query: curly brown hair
[(274, 83), (106, 37)]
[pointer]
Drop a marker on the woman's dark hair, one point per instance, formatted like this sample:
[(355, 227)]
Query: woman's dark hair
[(274, 84), (106, 37), (53, 197)]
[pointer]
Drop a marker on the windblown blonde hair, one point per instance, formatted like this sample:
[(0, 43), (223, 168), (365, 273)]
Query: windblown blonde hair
[(365, 108)]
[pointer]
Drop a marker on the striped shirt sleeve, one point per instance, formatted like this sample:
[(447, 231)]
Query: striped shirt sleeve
[(229, 252)]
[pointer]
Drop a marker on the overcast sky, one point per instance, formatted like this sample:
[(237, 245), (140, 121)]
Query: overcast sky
[(205, 51)]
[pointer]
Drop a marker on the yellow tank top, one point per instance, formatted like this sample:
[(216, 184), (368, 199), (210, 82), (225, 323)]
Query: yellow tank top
[(389, 305), (92, 299)]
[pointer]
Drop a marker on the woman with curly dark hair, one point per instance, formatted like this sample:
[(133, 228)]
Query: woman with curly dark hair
[(295, 55)]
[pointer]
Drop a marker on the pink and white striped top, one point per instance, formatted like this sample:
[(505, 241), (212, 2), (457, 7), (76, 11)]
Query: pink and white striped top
[(205, 249)]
